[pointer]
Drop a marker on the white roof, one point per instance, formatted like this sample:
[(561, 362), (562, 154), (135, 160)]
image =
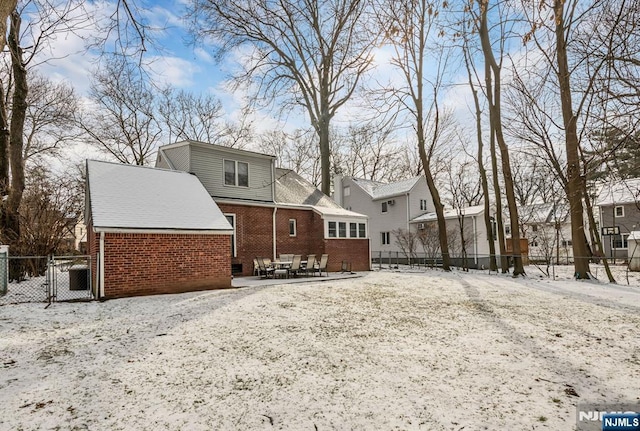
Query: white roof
[(136, 197), (449, 214), (338, 212), (622, 192), (634, 235), (382, 191)]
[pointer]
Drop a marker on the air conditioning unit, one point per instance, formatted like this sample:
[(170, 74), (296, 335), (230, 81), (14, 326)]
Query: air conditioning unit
[(392, 202), (421, 226)]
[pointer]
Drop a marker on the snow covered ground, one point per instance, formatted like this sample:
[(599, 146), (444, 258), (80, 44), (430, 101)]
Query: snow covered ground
[(391, 350)]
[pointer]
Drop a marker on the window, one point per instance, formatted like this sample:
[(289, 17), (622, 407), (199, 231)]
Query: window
[(292, 227), (346, 191), (384, 207), (619, 241), (507, 230), (333, 232), (385, 238), (231, 218), (534, 227), (423, 204), (236, 173), (534, 243), (362, 230), (618, 212), (342, 229), (566, 243), (353, 230)]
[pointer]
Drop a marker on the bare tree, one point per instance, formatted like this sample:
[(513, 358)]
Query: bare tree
[(123, 120), (304, 53), (410, 29), (407, 241)]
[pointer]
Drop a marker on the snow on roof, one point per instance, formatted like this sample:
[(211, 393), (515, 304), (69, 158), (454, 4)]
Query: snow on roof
[(544, 212), (379, 190), (136, 197), (622, 192), (291, 188), (449, 214), (634, 235)]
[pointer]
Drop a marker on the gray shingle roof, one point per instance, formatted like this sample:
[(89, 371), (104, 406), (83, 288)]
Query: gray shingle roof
[(291, 188), (383, 191), (136, 197)]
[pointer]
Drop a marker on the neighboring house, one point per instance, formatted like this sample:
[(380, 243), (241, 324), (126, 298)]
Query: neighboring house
[(273, 211), (80, 236), (153, 231), (547, 228), (619, 214), (472, 238), (390, 207)]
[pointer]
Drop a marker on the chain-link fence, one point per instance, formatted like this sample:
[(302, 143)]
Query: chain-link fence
[(44, 279)]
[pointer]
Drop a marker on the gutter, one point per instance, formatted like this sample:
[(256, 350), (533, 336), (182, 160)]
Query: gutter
[(101, 268), (103, 230)]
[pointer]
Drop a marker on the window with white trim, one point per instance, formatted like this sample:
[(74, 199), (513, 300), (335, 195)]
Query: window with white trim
[(353, 230), (386, 238), (292, 227), (362, 230), (236, 173), (619, 242), (342, 229), (423, 204), (618, 212)]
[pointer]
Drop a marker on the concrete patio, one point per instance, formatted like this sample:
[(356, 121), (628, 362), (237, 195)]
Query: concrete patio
[(254, 280)]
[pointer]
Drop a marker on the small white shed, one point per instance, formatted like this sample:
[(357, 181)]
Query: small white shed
[(633, 248)]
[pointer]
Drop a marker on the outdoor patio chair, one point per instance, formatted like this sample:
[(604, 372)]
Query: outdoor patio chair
[(256, 267), (322, 266), (265, 270), (311, 264), (286, 257), (295, 268)]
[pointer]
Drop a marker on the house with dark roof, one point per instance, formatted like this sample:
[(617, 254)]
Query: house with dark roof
[(272, 211), (389, 206), (153, 231)]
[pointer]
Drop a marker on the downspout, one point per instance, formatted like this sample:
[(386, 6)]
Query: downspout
[(275, 207), (475, 242), (275, 211), (408, 211), (101, 270)]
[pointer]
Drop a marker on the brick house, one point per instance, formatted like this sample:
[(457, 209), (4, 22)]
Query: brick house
[(272, 211), (153, 231)]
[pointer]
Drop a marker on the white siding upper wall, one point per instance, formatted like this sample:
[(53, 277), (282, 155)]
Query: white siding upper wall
[(208, 165), (418, 192), (179, 157)]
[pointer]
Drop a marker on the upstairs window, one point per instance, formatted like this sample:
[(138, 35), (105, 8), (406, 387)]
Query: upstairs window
[(423, 204), (353, 230), (384, 207), (333, 231), (292, 227), (619, 211), (236, 173), (362, 230), (342, 229)]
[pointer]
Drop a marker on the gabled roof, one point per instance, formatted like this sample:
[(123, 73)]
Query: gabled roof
[(379, 190), (142, 198), (292, 189), (547, 212), (449, 214), (622, 192)]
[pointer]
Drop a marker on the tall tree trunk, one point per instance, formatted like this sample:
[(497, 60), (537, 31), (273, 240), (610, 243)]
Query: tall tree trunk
[(495, 120), (4, 143), (493, 266), (504, 260), (574, 180), (11, 220)]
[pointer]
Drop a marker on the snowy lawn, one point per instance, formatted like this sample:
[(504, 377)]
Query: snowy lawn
[(429, 351)]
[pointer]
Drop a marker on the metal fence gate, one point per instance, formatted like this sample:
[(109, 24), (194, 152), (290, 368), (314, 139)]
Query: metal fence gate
[(44, 279)]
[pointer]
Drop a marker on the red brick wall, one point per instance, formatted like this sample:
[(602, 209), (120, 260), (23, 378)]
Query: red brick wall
[(254, 233), (255, 238), (147, 264), (353, 251)]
